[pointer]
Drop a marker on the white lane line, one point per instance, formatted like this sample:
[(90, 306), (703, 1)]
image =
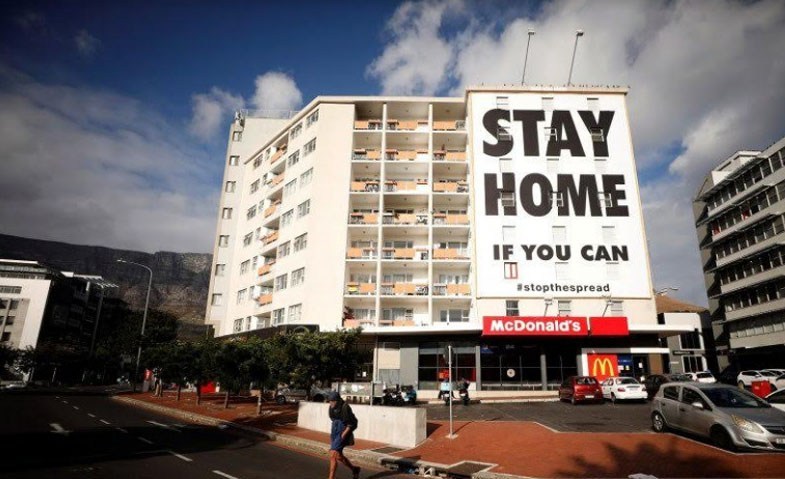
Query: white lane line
[(144, 440), (105, 422), (57, 397), (227, 476), (163, 426), (91, 414), (65, 402), (122, 430), (180, 456), (58, 429), (75, 407)]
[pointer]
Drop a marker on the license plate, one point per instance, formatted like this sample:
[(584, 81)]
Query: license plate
[(589, 396), (779, 440)]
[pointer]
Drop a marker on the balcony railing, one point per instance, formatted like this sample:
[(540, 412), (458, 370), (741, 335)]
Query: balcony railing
[(365, 186), (451, 253), (404, 289), (408, 125), (278, 155), (403, 155), (361, 253), (276, 181), (362, 154), (447, 219), (271, 209), (363, 289), (404, 219), (356, 323), (266, 268), (392, 186), (451, 289), (449, 125), (443, 155), (363, 218), (269, 238), (368, 124), (265, 299), (451, 187)]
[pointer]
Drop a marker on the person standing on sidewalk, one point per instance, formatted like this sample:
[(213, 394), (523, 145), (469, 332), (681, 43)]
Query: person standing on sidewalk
[(344, 423)]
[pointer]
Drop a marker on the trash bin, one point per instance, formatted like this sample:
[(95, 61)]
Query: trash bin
[(761, 388)]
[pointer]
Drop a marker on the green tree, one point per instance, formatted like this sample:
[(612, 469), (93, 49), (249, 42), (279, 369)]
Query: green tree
[(7, 356), (239, 363)]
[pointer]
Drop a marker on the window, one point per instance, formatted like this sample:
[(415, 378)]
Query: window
[(6, 337), (251, 212), (606, 199), (286, 218), (296, 131), (612, 270), (552, 165), (557, 199), (9, 320), (510, 270), (454, 315), (255, 186), (223, 241), (306, 177), (281, 281), (234, 160), (278, 316), (226, 213), (593, 104), (309, 147), (237, 136), (511, 307), (254, 262), (562, 270), (312, 118), (300, 242), (547, 103), (257, 162), (241, 296), (671, 392), (560, 233), (503, 133), (691, 340), (244, 266), (508, 199), (257, 233), (283, 250), (551, 134), (565, 307), (230, 186), (617, 308), (298, 277), (220, 269), (505, 165), (290, 188), (502, 102), (303, 208), (295, 311), (14, 304), (689, 396), (508, 234), (293, 159), (597, 135), (608, 234), (217, 299), (248, 239), (10, 289)]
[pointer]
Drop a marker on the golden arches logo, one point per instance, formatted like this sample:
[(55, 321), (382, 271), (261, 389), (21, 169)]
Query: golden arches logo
[(604, 365)]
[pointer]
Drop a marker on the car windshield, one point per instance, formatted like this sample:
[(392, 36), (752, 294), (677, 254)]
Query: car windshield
[(627, 381), (769, 373), (704, 375), (734, 398), (585, 381)]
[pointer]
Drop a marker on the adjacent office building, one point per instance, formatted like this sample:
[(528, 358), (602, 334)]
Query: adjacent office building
[(506, 223), (739, 221), (690, 351)]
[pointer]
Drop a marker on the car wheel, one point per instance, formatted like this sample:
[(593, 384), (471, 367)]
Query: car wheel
[(721, 438), (280, 399), (741, 384), (658, 423)]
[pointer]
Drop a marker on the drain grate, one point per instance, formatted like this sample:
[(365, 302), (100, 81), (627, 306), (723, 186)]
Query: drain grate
[(467, 468), (387, 450)]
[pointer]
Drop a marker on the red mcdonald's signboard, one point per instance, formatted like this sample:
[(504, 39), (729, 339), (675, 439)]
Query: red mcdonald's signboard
[(609, 326), (534, 326), (603, 366)]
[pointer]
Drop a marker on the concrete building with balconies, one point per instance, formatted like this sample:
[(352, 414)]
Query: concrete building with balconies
[(741, 234), (505, 223)]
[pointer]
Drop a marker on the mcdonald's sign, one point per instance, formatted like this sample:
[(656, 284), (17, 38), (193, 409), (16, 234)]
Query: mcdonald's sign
[(603, 366)]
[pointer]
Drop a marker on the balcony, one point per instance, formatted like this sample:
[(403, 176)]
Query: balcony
[(405, 219), (368, 124), (398, 253), (362, 154), (407, 125), (451, 253), (271, 209), (449, 125), (270, 238), (396, 186), (451, 289), (444, 155), (446, 186), (361, 253), (403, 155), (448, 219), (278, 155), (276, 181), (404, 289), (265, 299), (363, 218), (365, 186), (362, 289), (265, 268), (357, 323)]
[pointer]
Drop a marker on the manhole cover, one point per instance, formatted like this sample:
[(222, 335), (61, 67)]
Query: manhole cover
[(467, 468), (387, 450)]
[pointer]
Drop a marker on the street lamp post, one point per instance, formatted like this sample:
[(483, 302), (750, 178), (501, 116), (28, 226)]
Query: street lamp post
[(144, 316), (578, 34), (526, 58)]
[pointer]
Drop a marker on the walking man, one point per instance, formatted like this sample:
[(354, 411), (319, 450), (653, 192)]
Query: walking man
[(344, 423)]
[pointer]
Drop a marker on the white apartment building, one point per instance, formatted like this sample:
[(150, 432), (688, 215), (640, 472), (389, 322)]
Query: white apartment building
[(739, 221), (506, 223)]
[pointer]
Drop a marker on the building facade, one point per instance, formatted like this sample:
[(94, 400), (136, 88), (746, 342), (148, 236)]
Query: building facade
[(506, 224), (690, 351), (739, 222)]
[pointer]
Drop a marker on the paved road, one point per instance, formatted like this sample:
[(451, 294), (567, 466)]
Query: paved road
[(627, 417), (61, 435)]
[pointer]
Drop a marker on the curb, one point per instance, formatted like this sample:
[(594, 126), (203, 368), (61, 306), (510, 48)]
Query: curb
[(307, 445)]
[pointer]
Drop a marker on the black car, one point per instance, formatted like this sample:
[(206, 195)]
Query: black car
[(654, 381)]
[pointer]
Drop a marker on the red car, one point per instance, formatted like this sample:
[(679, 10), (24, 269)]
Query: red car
[(580, 389)]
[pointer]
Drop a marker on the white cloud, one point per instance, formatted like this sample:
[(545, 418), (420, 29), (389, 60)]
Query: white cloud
[(92, 167), (705, 80), (210, 110), (86, 44), (276, 91)]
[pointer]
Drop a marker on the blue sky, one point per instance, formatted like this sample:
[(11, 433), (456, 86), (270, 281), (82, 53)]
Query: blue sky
[(114, 114)]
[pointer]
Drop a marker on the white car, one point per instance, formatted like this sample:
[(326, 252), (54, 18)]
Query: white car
[(745, 378), (777, 399), (779, 383), (773, 375), (622, 389), (703, 377)]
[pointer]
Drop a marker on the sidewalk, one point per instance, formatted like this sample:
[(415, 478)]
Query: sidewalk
[(515, 448)]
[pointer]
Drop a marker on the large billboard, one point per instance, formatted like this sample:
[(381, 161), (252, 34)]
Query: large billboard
[(556, 200)]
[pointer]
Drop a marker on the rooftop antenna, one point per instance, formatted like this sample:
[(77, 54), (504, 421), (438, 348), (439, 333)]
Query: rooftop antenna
[(578, 34), (526, 58)]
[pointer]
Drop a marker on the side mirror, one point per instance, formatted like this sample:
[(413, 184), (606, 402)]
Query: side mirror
[(698, 405)]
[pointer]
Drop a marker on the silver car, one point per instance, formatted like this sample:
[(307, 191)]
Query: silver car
[(730, 417)]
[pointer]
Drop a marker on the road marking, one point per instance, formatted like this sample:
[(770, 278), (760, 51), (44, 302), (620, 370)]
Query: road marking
[(65, 402), (163, 426), (57, 397), (147, 441), (75, 407), (58, 429), (122, 430), (91, 414), (227, 476), (105, 422), (180, 456)]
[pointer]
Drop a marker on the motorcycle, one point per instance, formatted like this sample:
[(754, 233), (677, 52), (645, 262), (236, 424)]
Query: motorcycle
[(463, 393), (409, 395), (392, 397)]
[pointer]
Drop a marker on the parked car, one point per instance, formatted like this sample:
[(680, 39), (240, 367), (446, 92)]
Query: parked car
[(730, 417), (745, 378), (777, 399), (779, 383), (771, 376), (13, 385), (729, 375), (580, 389), (623, 389), (703, 377), (654, 381)]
